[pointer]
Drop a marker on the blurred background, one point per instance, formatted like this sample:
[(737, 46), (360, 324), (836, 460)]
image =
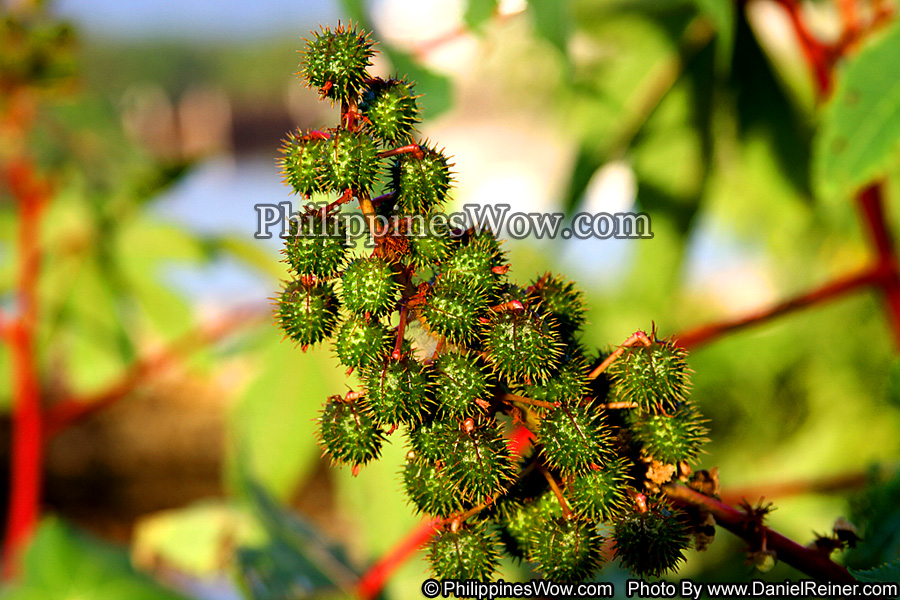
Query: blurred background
[(180, 458)]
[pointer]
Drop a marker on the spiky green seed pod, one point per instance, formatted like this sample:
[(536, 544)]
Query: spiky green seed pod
[(430, 489), (369, 286), (601, 494), (573, 439), (521, 346), (480, 462), (562, 299), (461, 380), (350, 162), (420, 184), (315, 247), (652, 543), (427, 248), (453, 306), (335, 62), (655, 377), (566, 550), (429, 440), (476, 260), (469, 553), (390, 109), (568, 385), (360, 342), (397, 392), (307, 313), (669, 439), (520, 522), (349, 435), (301, 162)]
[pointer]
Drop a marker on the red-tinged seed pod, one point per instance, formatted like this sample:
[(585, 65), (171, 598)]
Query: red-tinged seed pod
[(420, 184), (360, 342), (302, 163), (349, 435), (468, 553), (307, 313), (390, 109), (350, 162)]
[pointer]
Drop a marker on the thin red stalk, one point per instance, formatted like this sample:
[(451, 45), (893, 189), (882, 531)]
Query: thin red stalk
[(819, 56), (838, 483), (26, 466), (871, 276), (74, 409), (809, 561), (871, 204), (408, 149)]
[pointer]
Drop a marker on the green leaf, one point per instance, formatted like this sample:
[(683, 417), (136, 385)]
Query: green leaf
[(479, 12), (722, 15), (553, 21), (888, 573), (65, 564), (860, 130), (297, 562), (191, 539), (434, 88), (274, 419)]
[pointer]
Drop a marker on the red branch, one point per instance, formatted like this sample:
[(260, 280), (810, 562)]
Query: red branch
[(811, 562), (871, 204), (821, 57), (74, 409), (27, 449)]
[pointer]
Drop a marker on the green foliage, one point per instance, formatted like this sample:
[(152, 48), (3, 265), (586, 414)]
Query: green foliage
[(859, 137)]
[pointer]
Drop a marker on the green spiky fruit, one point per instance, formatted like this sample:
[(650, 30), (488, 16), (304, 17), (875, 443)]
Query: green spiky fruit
[(520, 522), (461, 380), (429, 440), (315, 247), (301, 163), (574, 438), (350, 162), (369, 286), (562, 300), (469, 553), (430, 488), (601, 494), (390, 109), (428, 248), (348, 434), (655, 377), (397, 392), (335, 62), (568, 385), (307, 313), (669, 439), (521, 346), (480, 462), (359, 342), (453, 306), (476, 259), (420, 184), (566, 550), (653, 542)]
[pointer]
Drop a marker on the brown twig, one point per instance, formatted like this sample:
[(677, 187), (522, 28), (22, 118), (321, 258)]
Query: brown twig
[(638, 337), (510, 397)]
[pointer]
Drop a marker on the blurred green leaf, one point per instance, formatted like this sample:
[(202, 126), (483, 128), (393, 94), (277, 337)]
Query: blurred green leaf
[(479, 12), (860, 131), (193, 539), (722, 14), (65, 564), (553, 21), (274, 419), (356, 12), (297, 562), (889, 573)]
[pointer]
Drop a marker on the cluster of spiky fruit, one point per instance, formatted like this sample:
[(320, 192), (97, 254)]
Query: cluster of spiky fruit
[(459, 359)]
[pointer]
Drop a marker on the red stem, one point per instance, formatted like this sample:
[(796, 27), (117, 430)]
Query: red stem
[(811, 562), (26, 463), (820, 56), (872, 276), (871, 204)]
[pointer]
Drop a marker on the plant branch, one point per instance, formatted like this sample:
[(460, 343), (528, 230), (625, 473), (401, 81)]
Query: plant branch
[(871, 203), (873, 275), (811, 562), (825, 485), (75, 409), (638, 337)]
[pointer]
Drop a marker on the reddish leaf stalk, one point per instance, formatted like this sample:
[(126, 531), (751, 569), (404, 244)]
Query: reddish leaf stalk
[(811, 562), (27, 456)]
